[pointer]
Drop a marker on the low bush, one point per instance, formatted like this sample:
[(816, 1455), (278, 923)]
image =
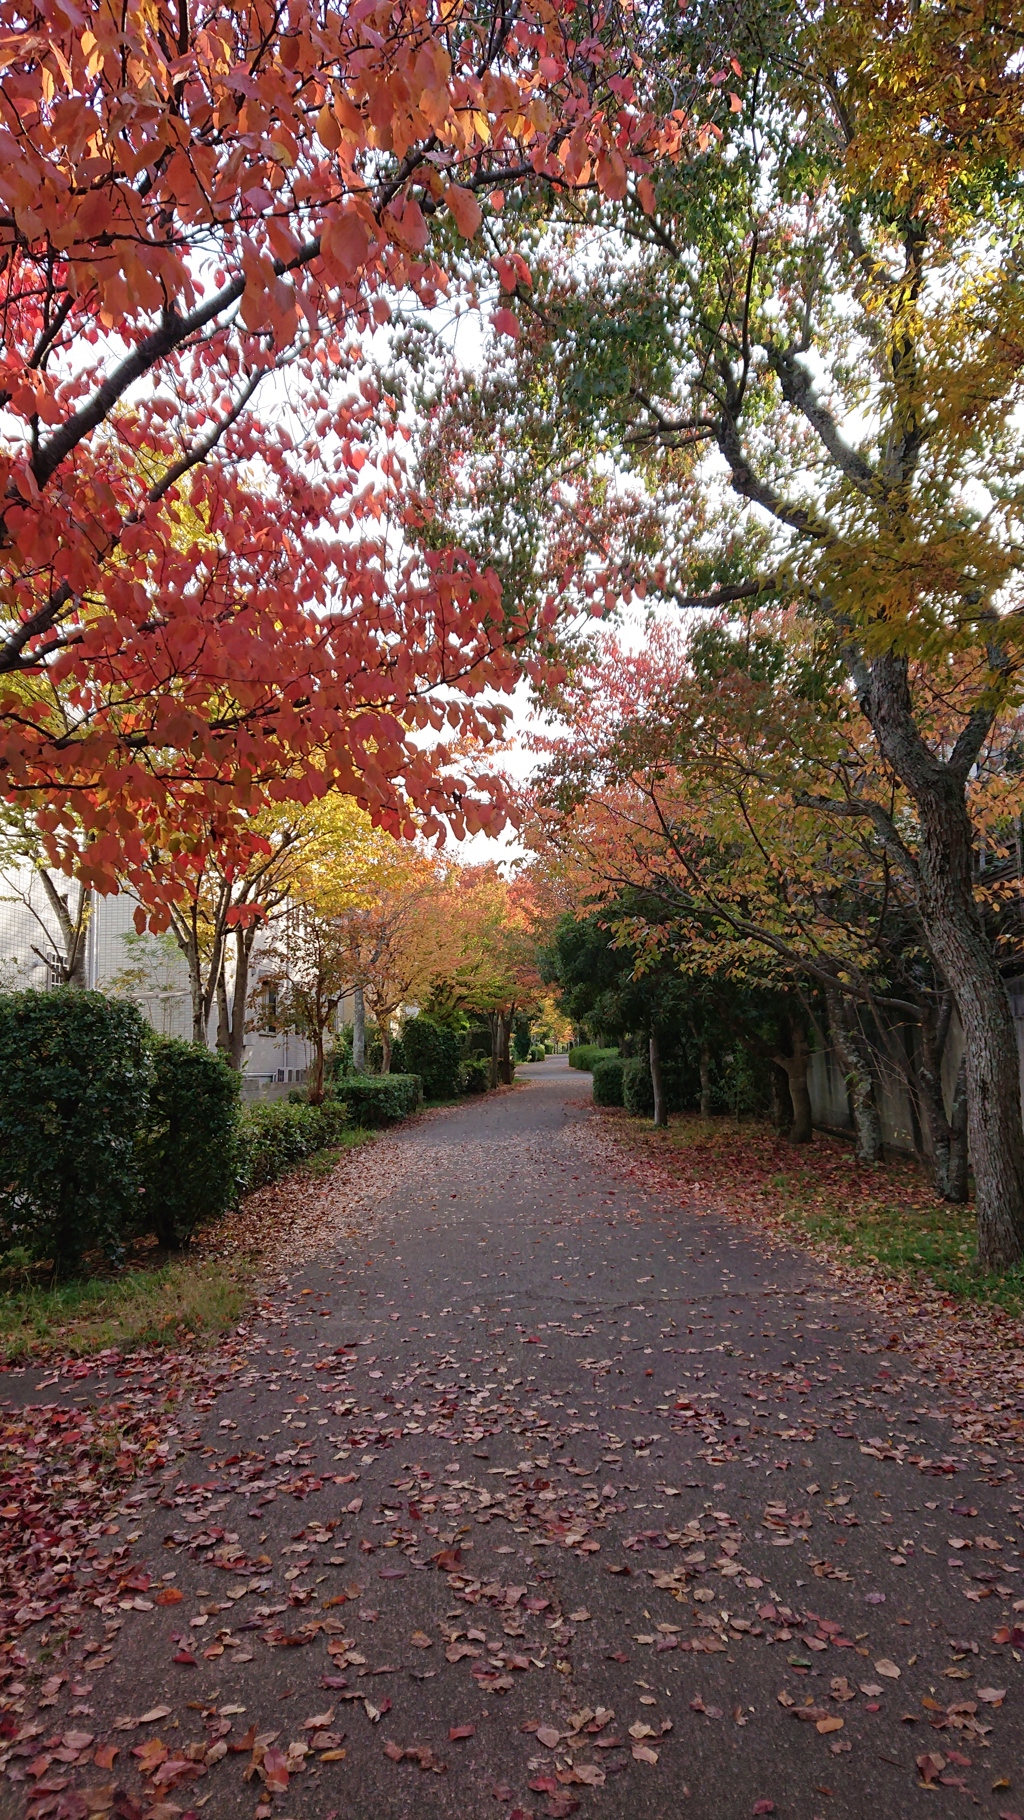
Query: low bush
[(277, 1136), (188, 1147), (433, 1052), (538, 1052), (608, 1081), (382, 1099), (637, 1088), (476, 1074), (587, 1054), (74, 1086)]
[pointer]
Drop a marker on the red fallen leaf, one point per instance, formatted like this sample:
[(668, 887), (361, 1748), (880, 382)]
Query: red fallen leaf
[(170, 1595), (104, 1757), (185, 1657), (392, 1573), (394, 1751), (243, 1744), (764, 1807), (447, 1559), (931, 1765), (543, 1785), (275, 1771), (617, 1655), (561, 1806), (461, 1731)]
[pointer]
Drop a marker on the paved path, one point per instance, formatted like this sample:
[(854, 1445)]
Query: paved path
[(553, 1495)]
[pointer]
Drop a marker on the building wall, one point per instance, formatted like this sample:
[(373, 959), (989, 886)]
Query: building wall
[(149, 969)]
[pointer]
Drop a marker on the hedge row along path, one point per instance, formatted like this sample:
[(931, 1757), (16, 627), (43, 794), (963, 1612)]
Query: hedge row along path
[(554, 1495)]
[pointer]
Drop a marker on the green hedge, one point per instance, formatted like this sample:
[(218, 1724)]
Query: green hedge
[(476, 1074), (188, 1147), (275, 1137), (382, 1099), (433, 1052), (74, 1089), (588, 1054), (608, 1081)]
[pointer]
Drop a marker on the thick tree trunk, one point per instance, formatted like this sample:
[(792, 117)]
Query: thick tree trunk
[(953, 925), (795, 1066), (660, 1115), (358, 1031), (958, 1145), (854, 1052), (782, 1101), (705, 1081)]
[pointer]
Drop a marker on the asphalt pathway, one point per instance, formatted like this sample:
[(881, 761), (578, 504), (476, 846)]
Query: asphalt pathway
[(553, 1497)]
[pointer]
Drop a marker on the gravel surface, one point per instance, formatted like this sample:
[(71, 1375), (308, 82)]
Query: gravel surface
[(536, 1492)]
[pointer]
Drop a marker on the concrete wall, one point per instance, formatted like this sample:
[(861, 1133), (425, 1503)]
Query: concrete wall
[(829, 1102)]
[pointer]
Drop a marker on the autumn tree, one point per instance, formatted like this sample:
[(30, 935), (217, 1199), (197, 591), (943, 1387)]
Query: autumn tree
[(808, 363), (208, 212)]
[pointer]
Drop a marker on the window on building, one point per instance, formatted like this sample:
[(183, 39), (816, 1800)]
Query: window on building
[(270, 1007)]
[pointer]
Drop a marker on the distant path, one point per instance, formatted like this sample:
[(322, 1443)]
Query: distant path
[(569, 1450)]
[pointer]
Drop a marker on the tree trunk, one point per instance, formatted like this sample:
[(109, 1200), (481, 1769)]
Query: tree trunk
[(932, 1105), (223, 1016), (782, 1101), (660, 1116), (315, 1083), (795, 1066), (358, 1031), (244, 939), (957, 940), (853, 1050), (958, 1144), (494, 1023), (705, 1081), (385, 1046), (504, 1050)]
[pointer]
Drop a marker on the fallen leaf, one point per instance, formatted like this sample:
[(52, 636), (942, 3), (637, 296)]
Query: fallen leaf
[(884, 1667)]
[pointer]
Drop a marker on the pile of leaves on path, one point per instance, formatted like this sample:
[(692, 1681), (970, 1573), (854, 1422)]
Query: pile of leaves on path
[(974, 1352)]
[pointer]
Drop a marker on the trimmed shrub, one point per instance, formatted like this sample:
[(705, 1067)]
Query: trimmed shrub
[(276, 1137), (382, 1099), (538, 1052), (608, 1081), (476, 1074), (433, 1053), (637, 1088), (587, 1054), (74, 1083), (188, 1148)]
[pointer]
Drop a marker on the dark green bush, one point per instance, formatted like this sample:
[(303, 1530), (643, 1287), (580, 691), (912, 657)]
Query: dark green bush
[(637, 1089), (587, 1054), (433, 1053), (74, 1082), (382, 1099), (275, 1137), (538, 1052), (188, 1147), (375, 1052), (608, 1081), (476, 1074)]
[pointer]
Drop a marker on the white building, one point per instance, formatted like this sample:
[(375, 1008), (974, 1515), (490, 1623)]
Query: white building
[(148, 969)]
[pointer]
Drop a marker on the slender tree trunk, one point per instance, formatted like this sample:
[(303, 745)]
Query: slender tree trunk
[(782, 1101), (244, 939), (854, 1053), (705, 1081), (223, 1015), (932, 1105), (358, 1031), (315, 1083), (795, 1066), (494, 1024), (385, 1046), (660, 1115), (504, 1054), (965, 958)]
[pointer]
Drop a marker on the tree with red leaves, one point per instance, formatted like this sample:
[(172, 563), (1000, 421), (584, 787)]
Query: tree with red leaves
[(204, 214)]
